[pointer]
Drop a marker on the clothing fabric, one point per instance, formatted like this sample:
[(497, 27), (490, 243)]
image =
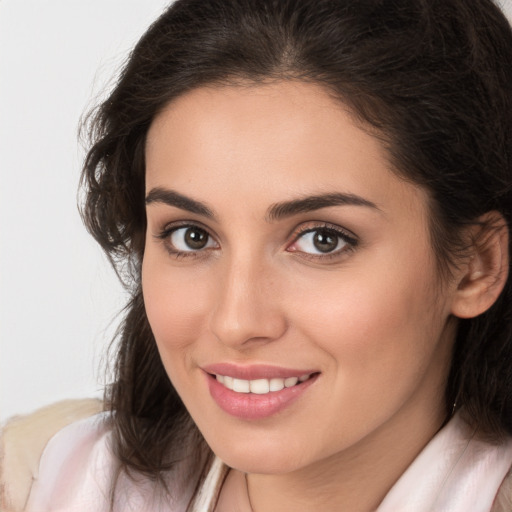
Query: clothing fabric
[(77, 470), (456, 472), (22, 441)]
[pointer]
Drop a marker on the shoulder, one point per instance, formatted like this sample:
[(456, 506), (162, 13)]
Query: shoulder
[(23, 440), (61, 459)]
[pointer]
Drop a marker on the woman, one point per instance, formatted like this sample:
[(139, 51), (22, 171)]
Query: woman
[(311, 204)]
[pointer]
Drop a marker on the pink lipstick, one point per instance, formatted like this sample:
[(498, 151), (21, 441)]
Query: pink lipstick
[(256, 391)]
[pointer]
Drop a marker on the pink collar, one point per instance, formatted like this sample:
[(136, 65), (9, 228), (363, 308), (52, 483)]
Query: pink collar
[(455, 472)]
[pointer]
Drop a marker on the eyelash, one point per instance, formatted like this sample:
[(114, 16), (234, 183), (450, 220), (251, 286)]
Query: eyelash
[(168, 231), (341, 234), (344, 235)]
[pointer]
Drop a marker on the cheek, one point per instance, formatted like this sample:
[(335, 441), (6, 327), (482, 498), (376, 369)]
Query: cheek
[(378, 325), (368, 306), (175, 304)]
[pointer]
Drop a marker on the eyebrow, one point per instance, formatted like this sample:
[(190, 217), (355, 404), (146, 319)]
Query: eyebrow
[(311, 203), (276, 212), (173, 198)]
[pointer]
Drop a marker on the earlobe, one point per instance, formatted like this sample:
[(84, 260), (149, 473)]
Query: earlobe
[(486, 271)]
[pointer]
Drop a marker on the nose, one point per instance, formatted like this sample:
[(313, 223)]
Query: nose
[(247, 308)]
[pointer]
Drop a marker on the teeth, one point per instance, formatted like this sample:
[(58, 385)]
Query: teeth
[(260, 386), (241, 386), (228, 382), (276, 384), (290, 381)]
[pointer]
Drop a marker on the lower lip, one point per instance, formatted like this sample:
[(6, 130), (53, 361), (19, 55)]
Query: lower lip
[(251, 406)]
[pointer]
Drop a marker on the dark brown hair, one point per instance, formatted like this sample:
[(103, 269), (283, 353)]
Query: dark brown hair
[(431, 77)]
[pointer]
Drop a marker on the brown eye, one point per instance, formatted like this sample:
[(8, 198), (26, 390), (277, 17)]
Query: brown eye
[(190, 239), (325, 240), (322, 241), (196, 238)]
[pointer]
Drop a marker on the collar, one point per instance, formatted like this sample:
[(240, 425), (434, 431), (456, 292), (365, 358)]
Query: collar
[(457, 471)]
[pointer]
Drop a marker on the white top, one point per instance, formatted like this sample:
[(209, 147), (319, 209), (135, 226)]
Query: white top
[(456, 472)]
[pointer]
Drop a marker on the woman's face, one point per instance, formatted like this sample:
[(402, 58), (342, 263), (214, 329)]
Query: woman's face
[(284, 256)]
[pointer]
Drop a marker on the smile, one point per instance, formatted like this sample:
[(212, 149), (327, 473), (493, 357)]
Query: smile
[(257, 392), (260, 386)]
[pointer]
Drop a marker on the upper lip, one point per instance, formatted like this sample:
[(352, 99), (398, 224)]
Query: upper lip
[(255, 371)]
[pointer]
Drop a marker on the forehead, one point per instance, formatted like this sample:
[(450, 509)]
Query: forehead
[(284, 138)]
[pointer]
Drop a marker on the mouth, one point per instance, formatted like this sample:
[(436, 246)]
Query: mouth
[(259, 391), (261, 386)]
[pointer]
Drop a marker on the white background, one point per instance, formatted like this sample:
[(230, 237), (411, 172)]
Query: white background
[(58, 296)]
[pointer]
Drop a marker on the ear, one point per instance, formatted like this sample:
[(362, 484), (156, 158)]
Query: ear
[(485, 273)]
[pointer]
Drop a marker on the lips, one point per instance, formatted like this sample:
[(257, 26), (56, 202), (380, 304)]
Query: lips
[(257, 391)]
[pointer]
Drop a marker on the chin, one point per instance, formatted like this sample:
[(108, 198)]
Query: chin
[(261, 457)]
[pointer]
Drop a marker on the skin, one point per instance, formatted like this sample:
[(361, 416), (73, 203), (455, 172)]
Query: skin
[(373, 318)]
